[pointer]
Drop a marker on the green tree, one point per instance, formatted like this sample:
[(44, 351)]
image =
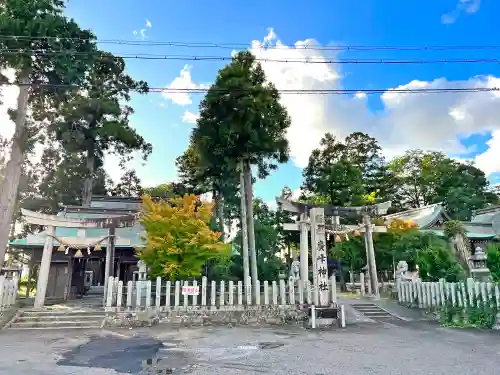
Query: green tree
[(167, 191), (96, 118), (421, 178), (43, 29), (493, 261), (200, 176), (129, 185), (61, 177), (437, 262), (242, 122), (343, 173), (179, 240)]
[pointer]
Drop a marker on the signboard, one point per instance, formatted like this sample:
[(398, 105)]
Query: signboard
[(321, 277), (190, 290)]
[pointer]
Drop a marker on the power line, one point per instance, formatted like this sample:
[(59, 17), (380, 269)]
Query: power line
[(149, 56), (290, 91), (264, 46)]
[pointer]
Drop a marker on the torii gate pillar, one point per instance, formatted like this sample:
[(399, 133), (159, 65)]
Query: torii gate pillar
[(43, 273)]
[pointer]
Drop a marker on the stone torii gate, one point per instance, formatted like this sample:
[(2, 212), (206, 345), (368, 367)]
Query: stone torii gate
[(51, 222), (312, 217)]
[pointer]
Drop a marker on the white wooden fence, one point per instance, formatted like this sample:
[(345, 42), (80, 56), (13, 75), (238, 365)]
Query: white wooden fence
[(145, 294), (429, 295), (8, 292)]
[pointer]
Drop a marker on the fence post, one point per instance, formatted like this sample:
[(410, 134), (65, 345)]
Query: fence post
[(158, 292), (130, 288), (230, 287), (275, 293), (204, 291), (138, 296), (185, 298), (497, 296), (109, 297), (148, 294), (119, 294), (213, 293), (266, 293), (257, 292), (177, 293), (195, 296), (240, 293), (248, 293), (168, 288), (222, 293), (2, 294)]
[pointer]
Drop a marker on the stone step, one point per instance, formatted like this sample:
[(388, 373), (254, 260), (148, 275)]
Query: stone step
[(62, 312), (58, 318), (59, 328), (57, 325), (372, 311)]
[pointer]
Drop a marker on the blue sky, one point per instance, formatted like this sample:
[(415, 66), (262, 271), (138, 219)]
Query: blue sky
[(459, 124)]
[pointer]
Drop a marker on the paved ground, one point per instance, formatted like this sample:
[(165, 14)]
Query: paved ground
[(369, 348)]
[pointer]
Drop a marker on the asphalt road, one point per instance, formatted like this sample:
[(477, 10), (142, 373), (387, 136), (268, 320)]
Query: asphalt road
[(371, 348)]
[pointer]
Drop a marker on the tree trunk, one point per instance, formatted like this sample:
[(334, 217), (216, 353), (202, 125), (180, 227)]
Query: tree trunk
[(89, 180), (251, 229), (12, 173), (220, 215), (244, 232)]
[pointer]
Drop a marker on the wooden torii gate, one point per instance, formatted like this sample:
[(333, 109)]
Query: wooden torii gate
[(312, 217), (51, 222)]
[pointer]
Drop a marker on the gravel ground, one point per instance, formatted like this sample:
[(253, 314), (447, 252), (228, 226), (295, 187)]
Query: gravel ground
[(371, 348)]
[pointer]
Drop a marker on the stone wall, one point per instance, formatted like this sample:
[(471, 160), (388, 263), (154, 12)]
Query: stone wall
[(201, 316)]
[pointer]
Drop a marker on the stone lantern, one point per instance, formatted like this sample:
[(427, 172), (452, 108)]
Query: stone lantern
[(479, 270)]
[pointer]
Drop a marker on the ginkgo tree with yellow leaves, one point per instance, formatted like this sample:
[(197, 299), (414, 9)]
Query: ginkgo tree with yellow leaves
[(179, 240)]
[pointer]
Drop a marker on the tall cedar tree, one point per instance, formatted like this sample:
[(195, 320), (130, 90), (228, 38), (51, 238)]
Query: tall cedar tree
[(179, 240), (38, 28), (242, 121), (95, 120)]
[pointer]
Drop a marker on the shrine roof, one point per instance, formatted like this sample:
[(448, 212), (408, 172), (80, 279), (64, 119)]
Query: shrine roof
[(128, 237), (470, 235), (424, 217), (487, 215)]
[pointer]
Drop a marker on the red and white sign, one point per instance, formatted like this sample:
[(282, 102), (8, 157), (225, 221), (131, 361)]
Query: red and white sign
[(190, 290)]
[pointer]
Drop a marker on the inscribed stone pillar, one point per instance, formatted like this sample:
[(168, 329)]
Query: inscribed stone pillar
[(370, 256), (43, 273), (304, 249), (320, 259)]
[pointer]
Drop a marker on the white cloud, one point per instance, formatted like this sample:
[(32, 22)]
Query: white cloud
[(190, 117), (148, 24), (8, 98), (183, 81), (489, 161), (426, 121), (462, 6)]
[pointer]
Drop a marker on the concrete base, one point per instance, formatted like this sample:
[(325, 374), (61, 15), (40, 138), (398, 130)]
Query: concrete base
[(202, 316), (324, 322)]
